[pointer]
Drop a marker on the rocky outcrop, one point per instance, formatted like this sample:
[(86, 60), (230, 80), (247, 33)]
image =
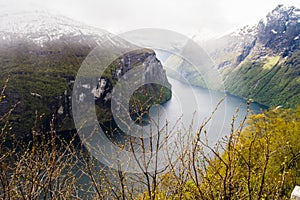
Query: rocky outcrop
[(145, 97), (280, 30)]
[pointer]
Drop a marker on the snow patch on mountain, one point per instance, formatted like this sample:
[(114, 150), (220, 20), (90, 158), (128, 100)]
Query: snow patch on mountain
[(40, 26), (244, 31)]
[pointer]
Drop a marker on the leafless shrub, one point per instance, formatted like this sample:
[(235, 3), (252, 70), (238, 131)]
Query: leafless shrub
[(50, 167)]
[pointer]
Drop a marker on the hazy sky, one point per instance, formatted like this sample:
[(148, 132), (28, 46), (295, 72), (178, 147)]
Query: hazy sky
[(189, 17)]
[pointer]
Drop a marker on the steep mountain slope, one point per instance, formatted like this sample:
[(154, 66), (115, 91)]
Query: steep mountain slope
[(41, 52), (231, 49), (262, 61), (267, 68)]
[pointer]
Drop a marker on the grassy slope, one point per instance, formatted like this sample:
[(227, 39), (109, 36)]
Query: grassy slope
[(269, 82)]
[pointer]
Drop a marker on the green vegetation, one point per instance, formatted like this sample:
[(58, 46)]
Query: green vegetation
[(271, 62), (260, 162), (269, 82), (40, 79)]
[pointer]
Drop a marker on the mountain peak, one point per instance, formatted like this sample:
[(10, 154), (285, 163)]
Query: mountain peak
[(280, 29), (282, 13), (283, 8)]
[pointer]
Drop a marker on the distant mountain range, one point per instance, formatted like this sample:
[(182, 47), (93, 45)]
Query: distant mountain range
[(261, 62), (42, 52)]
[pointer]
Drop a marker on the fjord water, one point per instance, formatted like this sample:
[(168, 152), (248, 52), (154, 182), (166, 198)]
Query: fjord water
[(195, 105)]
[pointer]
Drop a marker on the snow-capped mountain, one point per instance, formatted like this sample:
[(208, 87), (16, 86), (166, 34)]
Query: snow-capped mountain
[(41, 26), (277, 33)]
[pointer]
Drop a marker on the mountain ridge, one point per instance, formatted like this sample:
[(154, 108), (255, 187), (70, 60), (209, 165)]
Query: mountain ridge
[(261, 62)]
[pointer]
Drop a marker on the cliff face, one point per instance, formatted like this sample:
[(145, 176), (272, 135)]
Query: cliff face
[(143, 97), (42, 64)]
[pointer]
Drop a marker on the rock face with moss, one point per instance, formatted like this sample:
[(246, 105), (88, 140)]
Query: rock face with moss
[(42, 53)]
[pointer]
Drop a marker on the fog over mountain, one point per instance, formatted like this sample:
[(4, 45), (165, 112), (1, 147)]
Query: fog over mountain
[(203, 18)]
